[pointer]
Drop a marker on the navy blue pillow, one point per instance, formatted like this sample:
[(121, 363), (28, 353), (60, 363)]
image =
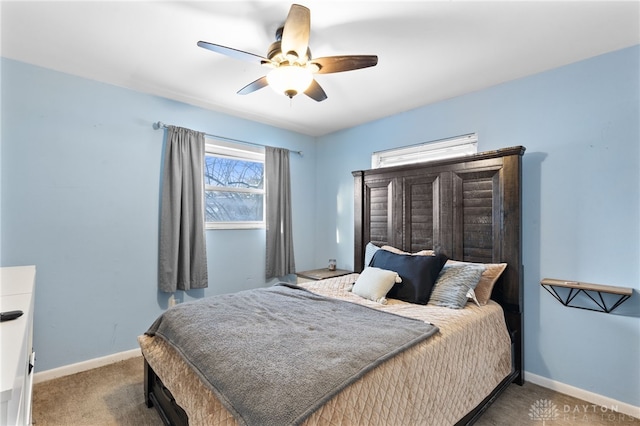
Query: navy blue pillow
[(418, 273)]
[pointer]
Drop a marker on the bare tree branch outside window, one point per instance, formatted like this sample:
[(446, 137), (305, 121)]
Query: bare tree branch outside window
[(234, 189)]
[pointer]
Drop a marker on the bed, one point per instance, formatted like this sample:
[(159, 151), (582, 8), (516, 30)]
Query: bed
[(466, 210)]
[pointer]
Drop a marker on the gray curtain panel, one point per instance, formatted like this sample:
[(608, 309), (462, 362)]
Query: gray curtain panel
[(280, 259), (182, 250)]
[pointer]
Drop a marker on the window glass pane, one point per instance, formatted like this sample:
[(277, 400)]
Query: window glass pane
[(233, 173), (227, 206), (427, 151)]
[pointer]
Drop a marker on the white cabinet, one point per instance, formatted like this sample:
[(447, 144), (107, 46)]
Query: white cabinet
[(16, 348)]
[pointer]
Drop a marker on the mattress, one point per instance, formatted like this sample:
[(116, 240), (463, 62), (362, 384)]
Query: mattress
[(435, 382)]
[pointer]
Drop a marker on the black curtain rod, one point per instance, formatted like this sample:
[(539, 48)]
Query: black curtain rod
[(160, 125)]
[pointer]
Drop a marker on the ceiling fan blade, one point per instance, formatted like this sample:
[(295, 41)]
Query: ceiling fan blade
[(234, 53), (295, 34), (315, 92), (331, 64), (253, 86)]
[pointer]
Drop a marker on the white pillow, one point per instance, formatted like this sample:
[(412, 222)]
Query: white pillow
[(374, 284)]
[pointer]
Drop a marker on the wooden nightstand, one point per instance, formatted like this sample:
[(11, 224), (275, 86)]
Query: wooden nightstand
[(320, 274)]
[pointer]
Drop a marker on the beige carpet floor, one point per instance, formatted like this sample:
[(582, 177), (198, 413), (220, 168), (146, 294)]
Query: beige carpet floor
[(109, 395), (113, 395)]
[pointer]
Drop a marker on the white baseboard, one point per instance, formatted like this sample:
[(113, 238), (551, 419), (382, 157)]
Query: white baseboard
[(43, 376), (594, 398)]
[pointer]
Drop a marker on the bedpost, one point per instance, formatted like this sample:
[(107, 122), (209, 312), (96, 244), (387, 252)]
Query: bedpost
[(148, 384), (512, 254), (358, 216)]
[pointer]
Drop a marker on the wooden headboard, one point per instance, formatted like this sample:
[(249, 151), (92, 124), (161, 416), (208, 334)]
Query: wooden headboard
[(468, 208)]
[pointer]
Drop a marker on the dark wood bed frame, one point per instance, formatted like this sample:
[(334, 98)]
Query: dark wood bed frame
[(468, 208)]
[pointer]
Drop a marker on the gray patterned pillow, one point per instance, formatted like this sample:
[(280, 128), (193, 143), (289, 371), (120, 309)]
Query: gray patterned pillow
[(453, 284)]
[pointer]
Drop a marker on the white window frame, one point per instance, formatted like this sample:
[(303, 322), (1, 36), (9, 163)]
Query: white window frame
[(237, 151), (427, 151)]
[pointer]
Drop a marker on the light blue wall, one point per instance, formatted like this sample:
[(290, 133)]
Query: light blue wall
[(80, 183), (581, 190)]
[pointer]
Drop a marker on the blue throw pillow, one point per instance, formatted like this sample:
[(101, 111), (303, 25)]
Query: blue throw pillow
[(418, 273), (369, 250)]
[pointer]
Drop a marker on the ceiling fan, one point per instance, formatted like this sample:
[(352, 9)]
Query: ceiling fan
[(289, 58)]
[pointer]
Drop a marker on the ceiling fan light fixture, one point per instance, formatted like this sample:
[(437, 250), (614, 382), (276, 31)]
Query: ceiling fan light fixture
[(290, 79)]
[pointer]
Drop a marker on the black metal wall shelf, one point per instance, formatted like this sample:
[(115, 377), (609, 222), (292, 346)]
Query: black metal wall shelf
[(592, 291)]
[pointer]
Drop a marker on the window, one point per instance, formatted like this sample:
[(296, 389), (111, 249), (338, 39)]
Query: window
[(234, 186), (427, 151)]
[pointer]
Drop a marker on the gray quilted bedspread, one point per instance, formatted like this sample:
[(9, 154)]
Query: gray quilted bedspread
[(274, 355)]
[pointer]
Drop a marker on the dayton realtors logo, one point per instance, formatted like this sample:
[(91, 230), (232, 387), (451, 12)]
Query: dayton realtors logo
[(546, 411)]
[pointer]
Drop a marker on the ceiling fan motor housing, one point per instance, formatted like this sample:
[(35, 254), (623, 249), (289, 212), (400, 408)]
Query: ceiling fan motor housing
[(276, 55)]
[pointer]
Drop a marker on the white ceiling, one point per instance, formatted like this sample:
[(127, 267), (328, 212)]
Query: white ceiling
[(428, 50)]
